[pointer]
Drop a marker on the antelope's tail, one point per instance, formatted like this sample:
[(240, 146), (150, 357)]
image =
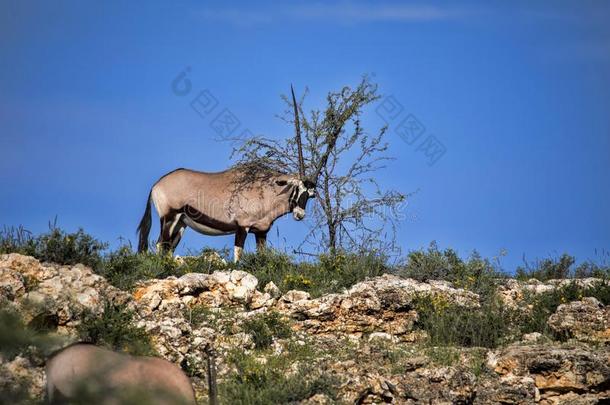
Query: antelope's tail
[(144, 227)]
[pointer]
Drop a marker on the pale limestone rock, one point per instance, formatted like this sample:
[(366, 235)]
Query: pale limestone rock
[(260, 300), (293, 296), (586, 320), (382, 336), (532, 337), (272, 290)]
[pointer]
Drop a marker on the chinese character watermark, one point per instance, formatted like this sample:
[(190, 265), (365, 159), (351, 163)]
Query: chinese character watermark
[(222, 120), (410, 130)]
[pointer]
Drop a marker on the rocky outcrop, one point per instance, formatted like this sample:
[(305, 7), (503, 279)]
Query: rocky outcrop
[(371, 325), (513, 292), (586, 320), (384, 304), (52, 295), (559, 374)]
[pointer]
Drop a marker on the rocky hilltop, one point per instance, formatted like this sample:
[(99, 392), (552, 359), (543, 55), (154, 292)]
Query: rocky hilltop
[(365, 341)]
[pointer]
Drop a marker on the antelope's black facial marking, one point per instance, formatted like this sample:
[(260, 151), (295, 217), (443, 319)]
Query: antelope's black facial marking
[(302, 199), (300, 192)]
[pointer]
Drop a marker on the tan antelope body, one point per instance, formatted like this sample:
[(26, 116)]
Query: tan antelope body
[(108, 377), (215, 204), (221, 204)]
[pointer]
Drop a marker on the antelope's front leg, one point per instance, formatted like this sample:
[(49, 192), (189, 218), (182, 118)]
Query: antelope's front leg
[(240, 240)]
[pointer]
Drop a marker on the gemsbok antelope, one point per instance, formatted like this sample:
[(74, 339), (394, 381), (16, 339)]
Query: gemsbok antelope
[(220, 204)]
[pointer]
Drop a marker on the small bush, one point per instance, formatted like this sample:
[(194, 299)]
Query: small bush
[(56, 246), (266, 327), (545, 304), (114, 329), (123, 268), (475, 274), (328, 274), (16, 337), (453, 325), (547, 269), (443, 355), (205, 261), (17, 240), (268, 265), (273, 382), (563, 268), (199, 315)]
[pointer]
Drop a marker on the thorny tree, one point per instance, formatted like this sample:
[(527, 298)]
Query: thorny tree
[(336, 153)]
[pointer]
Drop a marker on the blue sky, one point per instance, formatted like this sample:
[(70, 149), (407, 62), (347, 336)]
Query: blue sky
[(516, 93)]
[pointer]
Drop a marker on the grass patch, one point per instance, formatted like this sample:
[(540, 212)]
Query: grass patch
[(453, 325), (327, 274), (563, 267), (476, 274), (222, 320), (124, 268), (265, 328), (279, 379), (56, 245), (443, 355), (115, 329), (16, 337)]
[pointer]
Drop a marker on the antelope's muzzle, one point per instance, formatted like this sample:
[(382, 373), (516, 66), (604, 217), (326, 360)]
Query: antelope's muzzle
[(298, 213)]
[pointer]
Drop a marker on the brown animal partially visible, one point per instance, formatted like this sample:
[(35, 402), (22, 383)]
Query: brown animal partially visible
[(107, 377)]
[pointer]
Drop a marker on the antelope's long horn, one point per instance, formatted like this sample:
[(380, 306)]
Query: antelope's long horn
[(297, 126)]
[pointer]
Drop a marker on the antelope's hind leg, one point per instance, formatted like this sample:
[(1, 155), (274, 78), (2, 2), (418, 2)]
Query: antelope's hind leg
[(177, 232), (169, 224)]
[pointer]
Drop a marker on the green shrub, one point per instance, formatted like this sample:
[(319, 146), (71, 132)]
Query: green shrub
[(266, 327), (253, 382), (545, 304), (115, 329), (347, 269), (17, 240), (475, 274), (123, 268), (454, 325), (199, 315), (206, 261), (223, 320), (268, 265), (562, 268), (16, 337), (592, 269), (443, 355), (547, 269), (56, 246), (327, 274)]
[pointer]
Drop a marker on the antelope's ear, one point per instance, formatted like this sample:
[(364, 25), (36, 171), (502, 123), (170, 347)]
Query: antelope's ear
[(283, 183)]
